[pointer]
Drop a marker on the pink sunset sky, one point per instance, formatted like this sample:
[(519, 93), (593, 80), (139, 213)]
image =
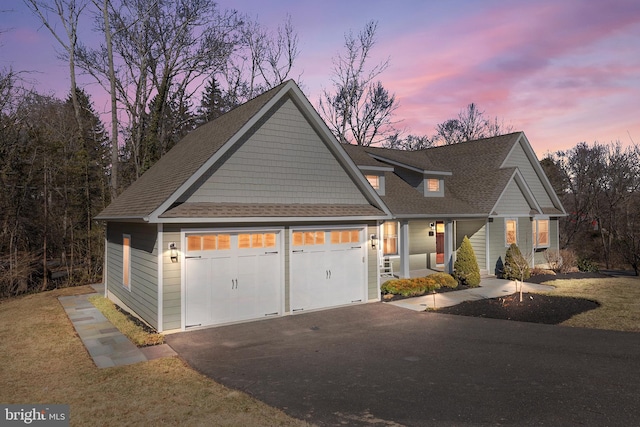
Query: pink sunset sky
[(563, 71)]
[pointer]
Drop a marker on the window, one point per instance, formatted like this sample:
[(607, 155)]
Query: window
[(541, 233), (433, 185), (306, 238), (374, 180), (511, 231), (390, 238), (126, 261), (345, 236), (208, 242), (256, 240)]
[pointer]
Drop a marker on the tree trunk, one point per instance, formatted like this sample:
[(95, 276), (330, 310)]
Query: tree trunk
[(114, 106)]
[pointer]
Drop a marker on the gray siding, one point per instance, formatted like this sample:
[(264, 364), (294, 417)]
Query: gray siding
[(283, 161), (512, 201), (419, 240), (476, 231), (525, 240), (143, 297), (497, 248), (171, 290), (420, 244), (519, 159)]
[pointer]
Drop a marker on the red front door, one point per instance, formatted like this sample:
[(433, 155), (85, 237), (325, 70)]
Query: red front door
[(439, 242)]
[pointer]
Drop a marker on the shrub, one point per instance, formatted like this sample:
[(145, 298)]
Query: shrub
[(408, 287), (537, 271), (586, 265), (466, 267), (516, 267), (554, 259), (444, 280), (569, 260)]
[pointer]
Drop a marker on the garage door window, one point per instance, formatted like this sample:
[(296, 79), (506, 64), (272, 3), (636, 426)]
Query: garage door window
[(208, 242), (256, 240), (308, 238), (345, 236)]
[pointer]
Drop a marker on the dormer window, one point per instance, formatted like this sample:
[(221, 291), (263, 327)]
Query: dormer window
[(374, 180), (433, 187)]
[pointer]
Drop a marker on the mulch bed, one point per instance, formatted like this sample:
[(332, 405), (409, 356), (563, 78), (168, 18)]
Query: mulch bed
[(535, 308)]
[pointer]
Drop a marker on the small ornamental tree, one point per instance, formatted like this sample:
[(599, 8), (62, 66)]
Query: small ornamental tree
[(516, 267), (466, 267)]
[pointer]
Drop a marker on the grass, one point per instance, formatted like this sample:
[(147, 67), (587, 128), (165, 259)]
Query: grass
[(133, 331), (619, 298), (42, 360)]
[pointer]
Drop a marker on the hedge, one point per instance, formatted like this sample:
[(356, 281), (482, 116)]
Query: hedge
[(418, 286)]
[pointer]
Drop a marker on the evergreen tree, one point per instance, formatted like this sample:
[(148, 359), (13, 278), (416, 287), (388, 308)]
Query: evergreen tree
[(516, 266), (213, 103), (466, 267)]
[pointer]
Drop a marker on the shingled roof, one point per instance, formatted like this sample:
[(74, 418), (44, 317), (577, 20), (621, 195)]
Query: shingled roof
[(158, 183), (474, 178)]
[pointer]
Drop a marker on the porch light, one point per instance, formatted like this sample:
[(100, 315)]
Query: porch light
[(374, 241), (174, 252)]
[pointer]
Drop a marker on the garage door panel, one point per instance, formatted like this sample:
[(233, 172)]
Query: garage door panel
[(349, 263), (232, 277), (327, 274), (308, 278), (198, 294)]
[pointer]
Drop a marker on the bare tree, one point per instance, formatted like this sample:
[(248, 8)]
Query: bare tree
[(68, 11), (358, 109), (597, 184), (164, 48), (471, 124), (409, 143), (261, 60), (627, 242)]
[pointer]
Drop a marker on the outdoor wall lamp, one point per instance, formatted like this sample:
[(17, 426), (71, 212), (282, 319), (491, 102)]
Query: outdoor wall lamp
[(174, 252), (374, 241)]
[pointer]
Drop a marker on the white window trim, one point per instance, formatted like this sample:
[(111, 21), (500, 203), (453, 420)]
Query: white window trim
[(126, 263), (535, 233), (429, 193), (397, 253), (506, 243)]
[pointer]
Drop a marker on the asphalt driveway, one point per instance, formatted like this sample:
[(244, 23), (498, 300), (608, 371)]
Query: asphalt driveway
[(376, 364)]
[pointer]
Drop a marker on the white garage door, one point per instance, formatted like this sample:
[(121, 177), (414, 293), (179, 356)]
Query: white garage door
[(328, 267), (232, 276)]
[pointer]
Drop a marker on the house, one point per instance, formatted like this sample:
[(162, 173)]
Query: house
[(492, 190), (261, 213)]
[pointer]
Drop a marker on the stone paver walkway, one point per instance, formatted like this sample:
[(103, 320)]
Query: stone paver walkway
[(105, 343)]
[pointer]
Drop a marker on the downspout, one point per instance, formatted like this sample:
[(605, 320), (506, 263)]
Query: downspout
[(104, 268), (160, 260)]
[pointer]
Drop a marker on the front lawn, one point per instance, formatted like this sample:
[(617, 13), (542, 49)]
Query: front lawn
[(611, 303), (619, 299), (42, 360)]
